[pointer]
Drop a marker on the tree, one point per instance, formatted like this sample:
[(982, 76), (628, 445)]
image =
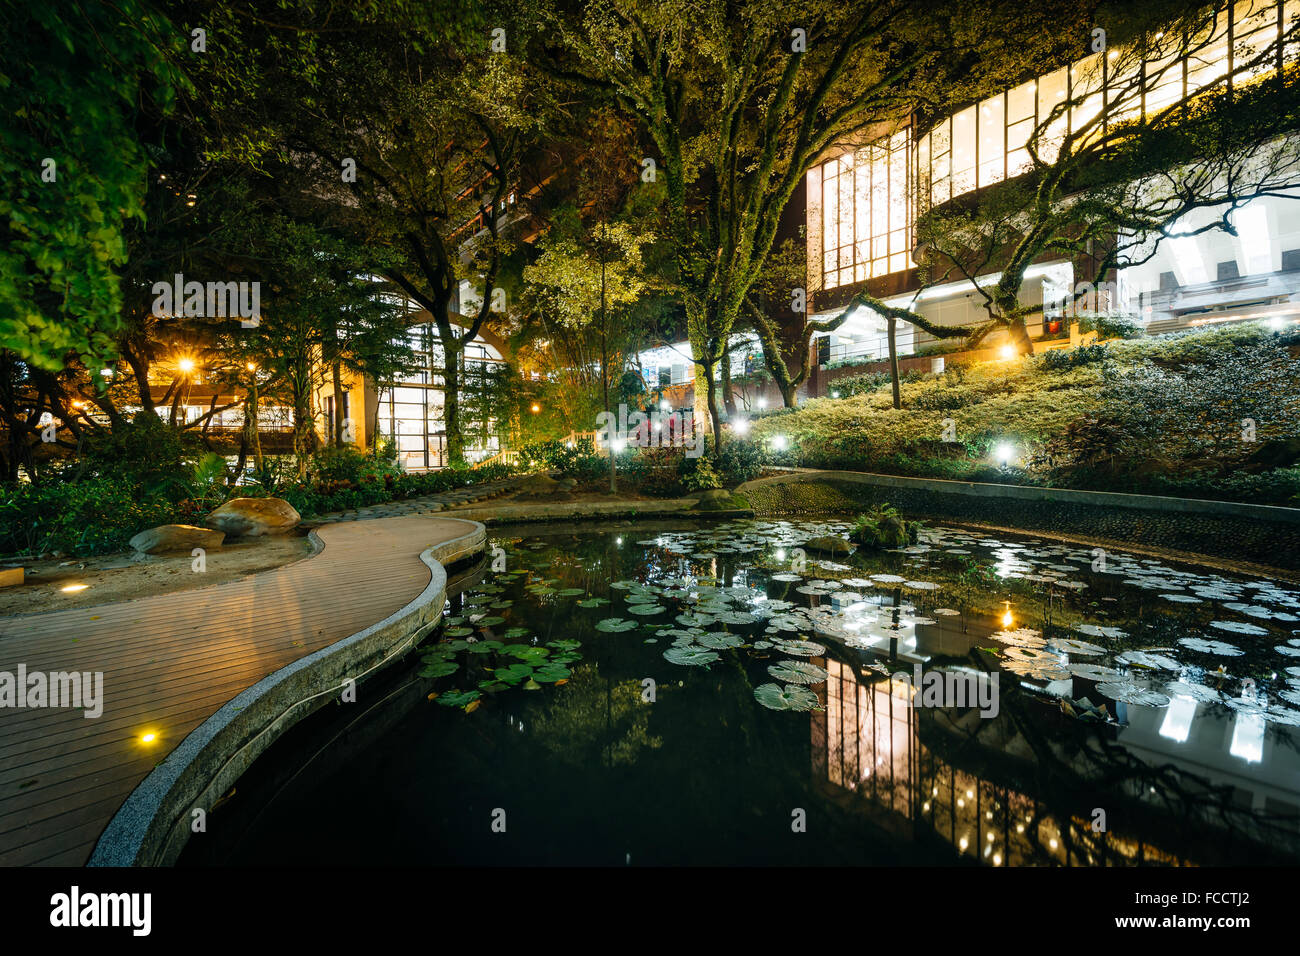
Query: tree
[(739, 99), (592, 267), (406, 132), (72, 169)]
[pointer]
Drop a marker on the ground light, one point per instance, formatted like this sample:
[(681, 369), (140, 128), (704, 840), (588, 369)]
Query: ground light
[(72, 588), (1004, 453), (762, 403), (186, 365), (740, 426), (1008, 353), (148, 737), (1007, 619), (619, 444), (778, 442), (536, 408)]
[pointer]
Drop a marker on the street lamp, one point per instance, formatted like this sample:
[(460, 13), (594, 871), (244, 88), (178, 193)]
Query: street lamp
[(186, 365)]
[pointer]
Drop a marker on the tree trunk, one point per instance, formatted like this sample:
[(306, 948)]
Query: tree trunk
[(254, 426), (451, 406), (893, 360), (604, 363), (713, 409), (728, 399), (1020, 335)]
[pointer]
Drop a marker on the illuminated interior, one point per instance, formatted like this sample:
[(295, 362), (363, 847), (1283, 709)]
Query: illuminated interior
[(863, 197), (986, 143), (411, 408)]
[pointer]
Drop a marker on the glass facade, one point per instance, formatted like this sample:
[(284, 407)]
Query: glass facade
[(988, 142), (411, 408), (863, 198), (862, 203)]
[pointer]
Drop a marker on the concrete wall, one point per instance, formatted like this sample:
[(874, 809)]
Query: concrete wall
[(1260, 534)]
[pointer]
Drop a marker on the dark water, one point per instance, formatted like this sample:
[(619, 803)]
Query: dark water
[(1144, 713)]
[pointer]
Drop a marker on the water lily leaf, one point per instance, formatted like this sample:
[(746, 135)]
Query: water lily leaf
[(720, 640), (485, 647), (691, 656), (564, 644), (790, 697), (550, 673), (646, 609), (458, 698), (512, 673), (593, 602), (439, 669), (571, 592), (516, 632), (797, 672), (613, 625), (800, 648), (459, 631), (490, 621)]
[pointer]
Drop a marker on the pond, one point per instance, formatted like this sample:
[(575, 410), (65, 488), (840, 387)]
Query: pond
[(718, 693)]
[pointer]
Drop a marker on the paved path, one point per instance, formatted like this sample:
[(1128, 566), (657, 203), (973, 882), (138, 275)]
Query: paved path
[(169, 662)]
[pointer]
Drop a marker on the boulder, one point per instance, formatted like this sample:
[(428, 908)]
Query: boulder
[(714, 494), (829, 544), (253, 517), (177, 537), (720, 499), (544, 487)]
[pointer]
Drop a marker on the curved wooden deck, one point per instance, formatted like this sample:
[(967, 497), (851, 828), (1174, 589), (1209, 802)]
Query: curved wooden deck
[(171, 661)]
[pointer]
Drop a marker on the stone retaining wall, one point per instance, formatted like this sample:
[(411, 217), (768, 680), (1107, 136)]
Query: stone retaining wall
[(1259, 534)]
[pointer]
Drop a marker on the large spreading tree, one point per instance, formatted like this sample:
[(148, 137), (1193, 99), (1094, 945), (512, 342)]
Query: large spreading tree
[(740, 99)]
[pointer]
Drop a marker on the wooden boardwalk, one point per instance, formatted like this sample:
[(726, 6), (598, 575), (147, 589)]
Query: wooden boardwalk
[(172, 660)]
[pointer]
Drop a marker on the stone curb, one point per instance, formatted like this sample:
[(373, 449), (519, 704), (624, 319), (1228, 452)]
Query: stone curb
[(153, 824), (1102, 499)]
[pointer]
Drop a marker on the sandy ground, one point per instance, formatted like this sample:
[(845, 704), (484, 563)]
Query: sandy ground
[(126, 575)]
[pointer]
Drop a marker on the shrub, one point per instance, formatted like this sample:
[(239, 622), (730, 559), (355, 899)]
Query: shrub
[(698, 474), (1112, 325), (883, 527), (86, 517), (582, 462), (1057, 360), (654, 471), (741, 461)]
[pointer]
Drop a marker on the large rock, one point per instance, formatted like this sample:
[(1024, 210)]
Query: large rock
[(543, 487), (251, 517), (714, 494), (177, 537), (829, 544)]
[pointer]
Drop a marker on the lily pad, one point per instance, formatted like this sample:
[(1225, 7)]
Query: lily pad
[(790, 697), (439, 669), (797, 672), (613, 625), (691, 655)]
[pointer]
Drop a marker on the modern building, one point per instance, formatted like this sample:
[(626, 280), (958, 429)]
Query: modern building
[(862, 202)]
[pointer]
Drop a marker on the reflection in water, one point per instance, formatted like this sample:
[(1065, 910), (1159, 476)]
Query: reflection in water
[(643, 694)]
